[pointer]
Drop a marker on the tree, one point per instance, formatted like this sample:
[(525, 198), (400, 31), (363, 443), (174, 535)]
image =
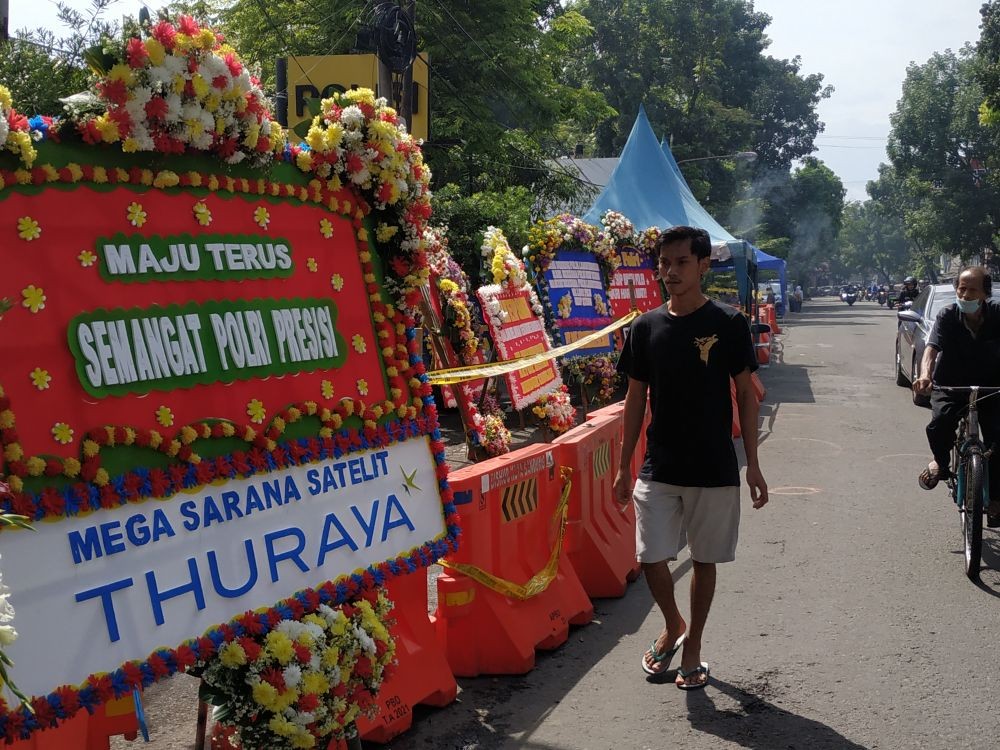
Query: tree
[(873, 242), (39, 67)]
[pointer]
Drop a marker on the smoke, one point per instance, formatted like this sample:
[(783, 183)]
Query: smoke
[(769, 189)]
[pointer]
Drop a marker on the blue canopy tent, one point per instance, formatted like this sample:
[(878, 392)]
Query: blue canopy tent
[(648, 188)]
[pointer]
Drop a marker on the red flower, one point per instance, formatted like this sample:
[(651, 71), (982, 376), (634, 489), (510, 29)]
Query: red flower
[(135, 53), (354, 163), (133, 674), (187, 25), (302, 653), (114, 91), (69, 699), (165, 34), (184, 656), (220, 82), (251, 648), (159, 666), (234, 65), (156, 108), (274, 678), (308, 703)]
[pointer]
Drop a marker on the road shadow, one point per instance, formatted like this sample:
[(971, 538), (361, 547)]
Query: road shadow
[(491, 708), (757, 724)]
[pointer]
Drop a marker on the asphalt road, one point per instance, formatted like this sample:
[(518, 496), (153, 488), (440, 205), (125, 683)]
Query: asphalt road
[(846, 621)]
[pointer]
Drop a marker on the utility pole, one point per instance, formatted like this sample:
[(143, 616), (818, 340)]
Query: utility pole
[(406, 108), (4, 20)]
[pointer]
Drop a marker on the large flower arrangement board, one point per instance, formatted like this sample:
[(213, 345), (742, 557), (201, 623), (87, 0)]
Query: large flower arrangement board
[(576, 288), (210, 411), (518, 331), (636, 271)]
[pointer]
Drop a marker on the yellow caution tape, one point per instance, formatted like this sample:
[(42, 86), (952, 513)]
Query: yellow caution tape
[(538, 582), (476, 372)]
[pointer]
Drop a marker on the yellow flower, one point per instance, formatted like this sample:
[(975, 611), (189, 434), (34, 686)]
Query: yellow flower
[(135, 214), (40, 378), (337, 281), (326, 228), (62, 432), (202, 214), (327, 389), (384, 232), (86, 258), (164, 416), (155, 51), (363, 387), (279, 646), (262, 217), (256, 411), (28, 229), (34, 297), (358, 342), (312, 265), (232, 655), (265, 694)]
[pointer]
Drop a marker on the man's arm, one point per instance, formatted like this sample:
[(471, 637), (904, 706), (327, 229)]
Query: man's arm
[(633, 417), (922, 382), (746, 404)]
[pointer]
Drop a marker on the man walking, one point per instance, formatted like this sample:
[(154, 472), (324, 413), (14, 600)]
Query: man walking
[(688, 491)]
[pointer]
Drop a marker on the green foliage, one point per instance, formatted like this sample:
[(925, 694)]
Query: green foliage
[(468, 216)]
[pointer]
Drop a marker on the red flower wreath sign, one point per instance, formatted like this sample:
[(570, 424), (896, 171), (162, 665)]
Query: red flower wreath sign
[(209, 409)]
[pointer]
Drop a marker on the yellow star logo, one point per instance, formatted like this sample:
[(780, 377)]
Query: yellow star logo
[(409, 480)]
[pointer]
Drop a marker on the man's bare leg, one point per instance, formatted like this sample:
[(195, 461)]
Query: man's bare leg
[(661, 585), (702, 592)]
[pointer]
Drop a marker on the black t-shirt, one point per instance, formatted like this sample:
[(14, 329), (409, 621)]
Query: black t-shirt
[(964, 359), (688, 361)]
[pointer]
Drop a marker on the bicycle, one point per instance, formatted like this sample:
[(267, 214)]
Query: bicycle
[(970, 483)]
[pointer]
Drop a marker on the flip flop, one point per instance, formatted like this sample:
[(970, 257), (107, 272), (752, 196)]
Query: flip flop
[(700, 669), (661, 658)]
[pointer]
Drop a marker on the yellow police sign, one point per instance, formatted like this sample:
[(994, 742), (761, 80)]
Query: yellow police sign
[(319, 76)]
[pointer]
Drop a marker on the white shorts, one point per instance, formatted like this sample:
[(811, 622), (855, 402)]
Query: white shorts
[(669, 517)]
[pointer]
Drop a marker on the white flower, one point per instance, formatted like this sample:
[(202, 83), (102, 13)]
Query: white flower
[(6, 608), (7, 635), (292, 674)]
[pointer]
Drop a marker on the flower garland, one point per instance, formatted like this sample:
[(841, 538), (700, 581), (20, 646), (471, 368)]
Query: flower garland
[(181, 88), (304, 682), (567, 232), (360, 141), (453, 288), (556, 411), (598, 369), (15, 135)]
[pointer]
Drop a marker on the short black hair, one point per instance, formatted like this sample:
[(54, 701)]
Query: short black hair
[(987, 279), (701, 245)]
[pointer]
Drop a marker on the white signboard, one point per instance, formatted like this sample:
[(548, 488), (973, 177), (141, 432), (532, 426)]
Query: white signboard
[(98, 590)]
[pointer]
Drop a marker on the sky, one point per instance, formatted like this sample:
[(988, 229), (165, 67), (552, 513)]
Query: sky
[(861, 47)]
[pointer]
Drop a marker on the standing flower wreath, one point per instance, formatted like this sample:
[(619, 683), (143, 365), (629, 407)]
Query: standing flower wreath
[(555, 411), (598, 369), (305, 682), (181, 88)]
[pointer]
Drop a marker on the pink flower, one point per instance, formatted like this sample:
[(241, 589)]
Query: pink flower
[(165, 34)]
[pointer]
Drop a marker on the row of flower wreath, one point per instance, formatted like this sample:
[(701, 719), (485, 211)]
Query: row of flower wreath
[(180, 89), (553, 407)]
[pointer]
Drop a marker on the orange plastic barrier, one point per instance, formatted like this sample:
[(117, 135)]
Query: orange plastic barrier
[(600, 533), (763, 347), (758, 387), (422, 674), (85, 731), (511, 587)]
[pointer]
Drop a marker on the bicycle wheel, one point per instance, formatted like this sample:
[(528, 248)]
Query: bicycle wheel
[(972, 514)]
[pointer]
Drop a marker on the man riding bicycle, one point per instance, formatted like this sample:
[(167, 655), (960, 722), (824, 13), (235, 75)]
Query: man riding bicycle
[(963, 349)]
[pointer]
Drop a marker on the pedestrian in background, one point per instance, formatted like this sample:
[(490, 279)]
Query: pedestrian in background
[(683, 355)]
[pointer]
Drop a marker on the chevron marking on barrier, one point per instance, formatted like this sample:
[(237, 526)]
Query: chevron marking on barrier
[(519, 499), (602, 459)]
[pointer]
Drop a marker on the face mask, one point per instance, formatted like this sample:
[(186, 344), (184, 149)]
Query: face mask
[(968, 306)]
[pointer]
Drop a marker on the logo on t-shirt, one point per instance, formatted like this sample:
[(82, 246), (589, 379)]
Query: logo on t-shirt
[(705, 345)]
